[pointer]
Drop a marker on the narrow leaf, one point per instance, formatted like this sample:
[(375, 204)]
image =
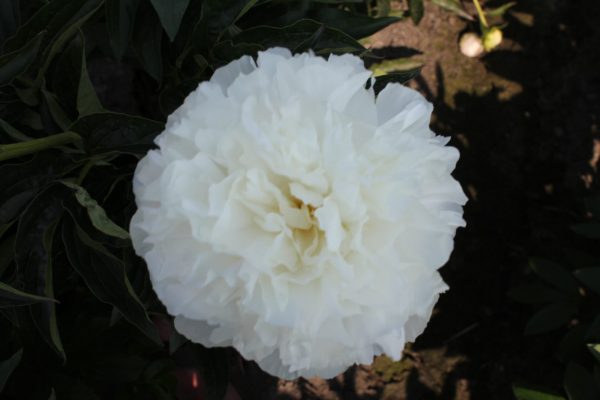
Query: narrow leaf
[(57, 112), (87, 100), (416, 10), (357, 26), (9, 18), (499, 11), (590, 230), (21, 182), (555, 275), (105, 276), (394, 77), (147, 42), (323, 40), (33, 250), (7, 250), (538, 293), (120, 18), (12, 132), (170, 13), (549, 318), (523, 393), (590, 277), (594, 348), (97, 214), (16, 62), (11, 297), (579, 383), (455, 6), (8, 366), (61, 19), (104, 132)]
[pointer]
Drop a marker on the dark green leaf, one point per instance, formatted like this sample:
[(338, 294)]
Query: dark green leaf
[(72, 85), (523, 393), (394, 77), (120, 18), (593, 331), (8, 366), (12, 132), (9, 19), (579, 383), (97, 214), (300, 36), (55, 110), (172, 97), (357, 26), (219, 15), (170, 13), (7, 252), (11, 297), (55, 17), (572, 343), (215, 365), (119, 368), (104, 132), (594, 348), (555, 275), (33, 250), (61, 19), (11, 315), (337, 1), (16, 62), (590, 230), (549, 318), (534, 294), (147, 42), (455, 6), (105, 276), (499, 11), (21, 182), (416, 10), (158, 367), (590, 277), (592, 204), (87, 100)]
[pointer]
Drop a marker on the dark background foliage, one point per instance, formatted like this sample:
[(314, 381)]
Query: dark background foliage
[(85, 86), (79, 318)]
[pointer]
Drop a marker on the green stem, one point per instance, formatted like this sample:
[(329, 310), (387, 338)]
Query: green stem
[(482, 18), (13, 150)]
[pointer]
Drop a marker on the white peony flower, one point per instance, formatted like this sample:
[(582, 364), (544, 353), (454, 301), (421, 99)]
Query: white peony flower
[(289, 213)]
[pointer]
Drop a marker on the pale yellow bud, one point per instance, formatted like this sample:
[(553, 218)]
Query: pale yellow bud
[(492, 38)]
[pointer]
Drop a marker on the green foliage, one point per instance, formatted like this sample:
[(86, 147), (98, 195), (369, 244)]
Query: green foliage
[(78, 312), (569, 297), (8, 366), (523, 393)]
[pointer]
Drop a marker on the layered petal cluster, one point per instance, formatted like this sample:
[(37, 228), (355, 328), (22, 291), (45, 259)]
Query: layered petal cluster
[(290, 213)]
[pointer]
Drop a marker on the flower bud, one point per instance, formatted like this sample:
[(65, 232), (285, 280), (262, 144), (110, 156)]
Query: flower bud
[(470, 45), (492, 38)]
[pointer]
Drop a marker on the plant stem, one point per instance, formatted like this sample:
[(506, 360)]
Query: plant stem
[(8, 151), (482, 18)]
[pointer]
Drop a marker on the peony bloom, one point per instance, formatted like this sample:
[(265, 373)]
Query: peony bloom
[(289, 213)]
